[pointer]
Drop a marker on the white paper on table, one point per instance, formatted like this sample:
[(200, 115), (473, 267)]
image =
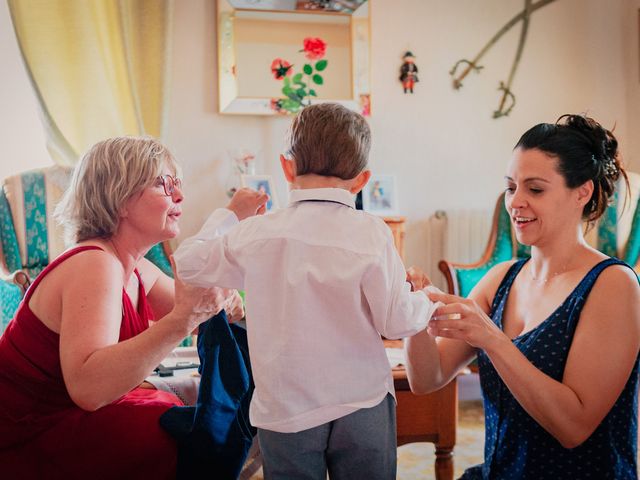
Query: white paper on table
[(395, 356), (181, 355)]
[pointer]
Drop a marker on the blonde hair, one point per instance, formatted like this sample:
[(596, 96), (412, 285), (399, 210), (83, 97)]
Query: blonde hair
[(110, 173)]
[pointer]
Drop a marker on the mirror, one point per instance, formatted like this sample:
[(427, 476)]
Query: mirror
[(277, 56)]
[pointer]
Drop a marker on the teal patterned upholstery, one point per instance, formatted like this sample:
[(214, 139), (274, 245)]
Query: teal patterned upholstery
[(158, 257), (35, 213), (522, 251), (607, 229), (8, 241), (10, 297), (632, 250)]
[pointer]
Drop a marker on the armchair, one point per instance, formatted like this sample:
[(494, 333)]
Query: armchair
[(617, 234), (618, 231)]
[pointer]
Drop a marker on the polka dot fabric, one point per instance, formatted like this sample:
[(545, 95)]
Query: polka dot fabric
[(516, 446)]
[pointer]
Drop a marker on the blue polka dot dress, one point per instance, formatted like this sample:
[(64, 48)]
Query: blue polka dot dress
[(516, 446)]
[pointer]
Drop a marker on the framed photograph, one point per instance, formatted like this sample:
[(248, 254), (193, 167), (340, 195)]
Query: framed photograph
[(262, 183), (379, 195)]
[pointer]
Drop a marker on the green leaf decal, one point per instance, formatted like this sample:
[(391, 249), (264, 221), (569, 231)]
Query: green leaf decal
[(317, 79), (321, 65), (312, 92), (307, 69), (290, 105)]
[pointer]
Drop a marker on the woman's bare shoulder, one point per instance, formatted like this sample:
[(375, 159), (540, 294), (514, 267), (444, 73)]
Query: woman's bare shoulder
[(619, 281), (90, 267)]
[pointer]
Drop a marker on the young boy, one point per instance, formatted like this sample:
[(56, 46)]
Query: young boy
[(323, 283)]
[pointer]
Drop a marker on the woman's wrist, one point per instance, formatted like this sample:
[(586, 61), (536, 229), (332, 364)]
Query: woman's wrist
[(498, 343), (177, 325)]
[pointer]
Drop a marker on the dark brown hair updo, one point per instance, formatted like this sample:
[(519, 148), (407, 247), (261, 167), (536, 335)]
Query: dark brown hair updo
[(585, 151)]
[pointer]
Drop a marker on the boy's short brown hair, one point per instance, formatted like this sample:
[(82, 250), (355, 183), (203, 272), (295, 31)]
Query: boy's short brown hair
[(330, 140)]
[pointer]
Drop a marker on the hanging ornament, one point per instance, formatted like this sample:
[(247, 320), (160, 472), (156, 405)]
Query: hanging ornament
[(408, 72)]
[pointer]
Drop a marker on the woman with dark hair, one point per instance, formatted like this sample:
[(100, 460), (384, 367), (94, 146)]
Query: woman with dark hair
[(556, 335)]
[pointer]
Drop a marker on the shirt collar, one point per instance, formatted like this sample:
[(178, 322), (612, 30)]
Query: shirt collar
[(337, 195)]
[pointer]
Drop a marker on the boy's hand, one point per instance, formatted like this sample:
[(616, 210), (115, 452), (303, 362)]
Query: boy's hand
[(247, 203), (417, 278)]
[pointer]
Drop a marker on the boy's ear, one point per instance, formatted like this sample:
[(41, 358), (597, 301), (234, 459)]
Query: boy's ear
[(360, 181), (289, 168)]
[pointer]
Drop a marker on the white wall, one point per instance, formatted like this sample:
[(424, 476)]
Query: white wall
[(631, 38), (443, 146), (21, 135)]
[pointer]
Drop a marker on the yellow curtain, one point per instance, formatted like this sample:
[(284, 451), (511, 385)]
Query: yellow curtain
[(99, 68)]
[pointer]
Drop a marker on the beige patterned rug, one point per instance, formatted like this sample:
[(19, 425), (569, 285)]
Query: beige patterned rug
[(417, 460)]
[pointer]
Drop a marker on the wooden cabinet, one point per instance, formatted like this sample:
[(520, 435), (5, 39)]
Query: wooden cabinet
[(396, 224), (427, 418)]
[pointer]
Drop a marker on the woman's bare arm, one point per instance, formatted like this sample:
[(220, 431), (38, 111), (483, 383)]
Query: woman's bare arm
[(431, 362), (602, 355), (96, 368)]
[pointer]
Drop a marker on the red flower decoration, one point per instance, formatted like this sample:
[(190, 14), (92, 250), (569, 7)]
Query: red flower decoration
[(314, 48), (275, 104), (281, 68)]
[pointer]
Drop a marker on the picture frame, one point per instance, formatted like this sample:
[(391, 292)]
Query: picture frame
[(379, 196), (262, 182)]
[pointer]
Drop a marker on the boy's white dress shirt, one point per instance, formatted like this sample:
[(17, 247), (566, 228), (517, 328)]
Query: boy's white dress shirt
[(323, 281)]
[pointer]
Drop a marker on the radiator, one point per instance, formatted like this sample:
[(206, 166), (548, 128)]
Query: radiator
[(458, 236), (467, 233), (436, 232)]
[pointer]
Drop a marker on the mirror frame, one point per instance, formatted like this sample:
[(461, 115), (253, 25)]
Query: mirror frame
[(229, 102)]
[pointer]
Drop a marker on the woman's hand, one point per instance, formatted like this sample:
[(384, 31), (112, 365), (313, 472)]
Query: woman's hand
[(417, 278), (247, 203), (193, 305), (235, 307), (463, 319)]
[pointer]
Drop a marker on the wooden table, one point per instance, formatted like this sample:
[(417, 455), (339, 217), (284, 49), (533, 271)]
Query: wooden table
[(427, 418)]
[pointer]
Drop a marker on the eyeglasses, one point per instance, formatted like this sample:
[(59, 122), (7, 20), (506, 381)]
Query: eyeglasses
[(170, 183)]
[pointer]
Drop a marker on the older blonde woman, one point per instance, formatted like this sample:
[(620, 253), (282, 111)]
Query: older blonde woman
[(74, 356)]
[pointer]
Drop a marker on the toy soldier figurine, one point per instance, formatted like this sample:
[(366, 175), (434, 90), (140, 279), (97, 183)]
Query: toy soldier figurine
[(408, 72)]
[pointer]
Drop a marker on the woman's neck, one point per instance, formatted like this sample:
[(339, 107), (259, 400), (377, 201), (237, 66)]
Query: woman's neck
[(560, 255), (126, 254)]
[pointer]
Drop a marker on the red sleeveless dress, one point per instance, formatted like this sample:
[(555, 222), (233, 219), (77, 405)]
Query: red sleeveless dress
[(43, 434)]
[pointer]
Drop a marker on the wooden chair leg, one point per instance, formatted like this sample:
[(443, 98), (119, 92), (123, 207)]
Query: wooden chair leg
[(444, 463)]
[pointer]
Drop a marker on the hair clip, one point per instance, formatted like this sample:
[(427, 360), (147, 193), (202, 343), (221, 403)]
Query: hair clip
[(610, 168)]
